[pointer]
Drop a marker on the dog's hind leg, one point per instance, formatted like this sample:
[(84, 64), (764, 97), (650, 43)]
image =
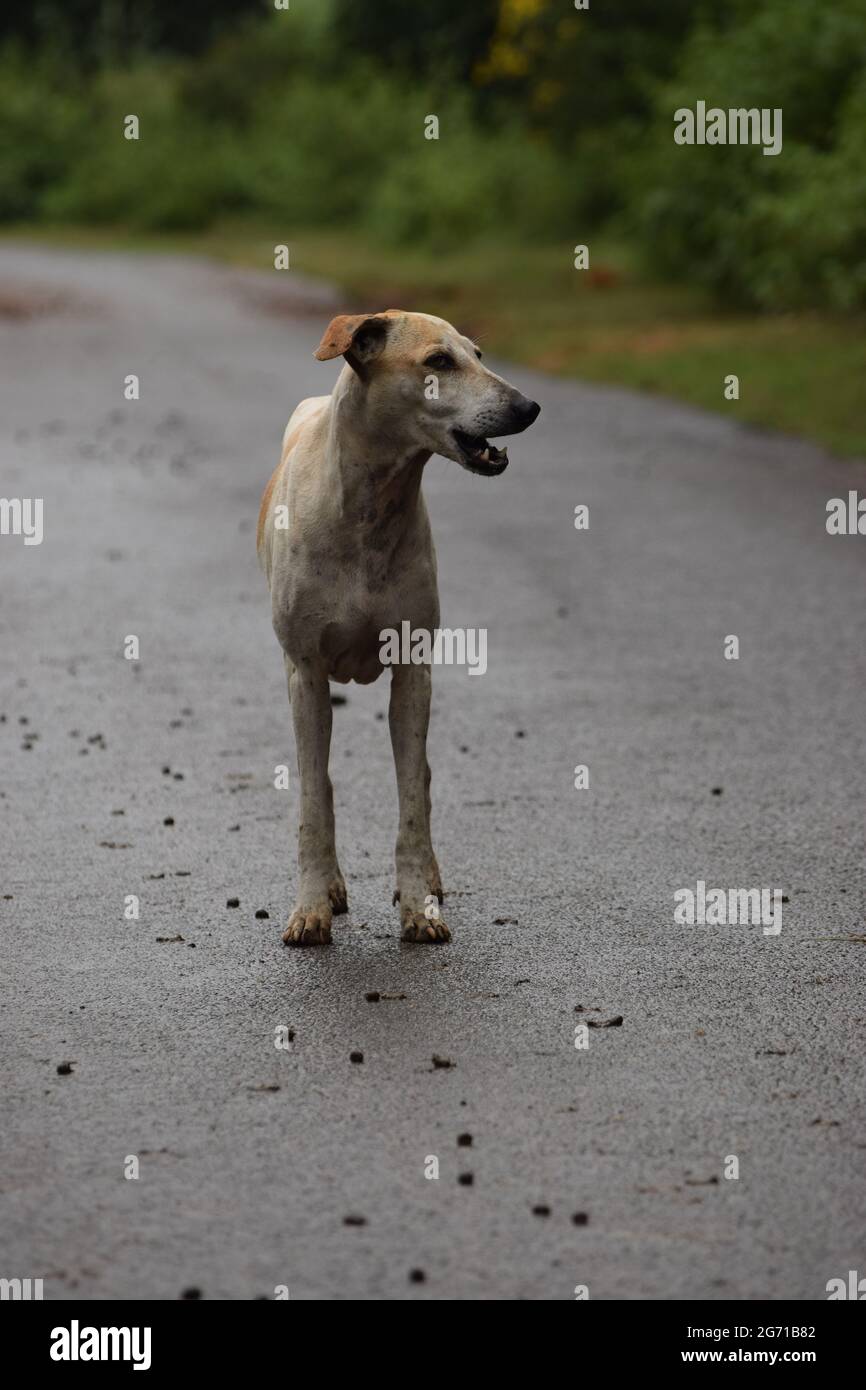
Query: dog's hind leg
[(322, 890), (419, 887)]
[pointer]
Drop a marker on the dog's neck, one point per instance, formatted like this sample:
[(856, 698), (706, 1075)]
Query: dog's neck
[(377, 476)]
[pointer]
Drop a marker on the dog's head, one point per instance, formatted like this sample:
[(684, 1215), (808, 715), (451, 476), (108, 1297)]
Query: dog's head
[(426, 387)]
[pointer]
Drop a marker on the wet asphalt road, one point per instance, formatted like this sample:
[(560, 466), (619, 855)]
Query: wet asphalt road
[(155, 779)]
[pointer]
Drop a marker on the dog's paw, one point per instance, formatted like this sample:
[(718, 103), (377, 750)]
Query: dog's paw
[(424, 930), (309, 926), (337, 895)]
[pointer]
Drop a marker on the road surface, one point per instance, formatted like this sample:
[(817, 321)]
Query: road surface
[(263, 1168)]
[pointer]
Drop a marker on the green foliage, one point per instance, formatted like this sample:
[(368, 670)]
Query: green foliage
[(179, 174), (106, 32), (552, 122), (41, 127), (418, 36), (471, 183), (269, 122), (779, 231)]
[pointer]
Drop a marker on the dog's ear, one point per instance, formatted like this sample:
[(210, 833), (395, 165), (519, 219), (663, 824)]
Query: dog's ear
[(357, 337)]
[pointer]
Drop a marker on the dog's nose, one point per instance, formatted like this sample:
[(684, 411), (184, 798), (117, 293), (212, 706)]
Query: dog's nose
[(524, 411)]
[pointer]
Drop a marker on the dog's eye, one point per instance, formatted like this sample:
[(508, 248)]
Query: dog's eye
[(478, 353), (441, 361)]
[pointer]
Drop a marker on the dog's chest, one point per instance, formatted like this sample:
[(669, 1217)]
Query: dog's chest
[(334, 603), (350, 639), (370, 598)]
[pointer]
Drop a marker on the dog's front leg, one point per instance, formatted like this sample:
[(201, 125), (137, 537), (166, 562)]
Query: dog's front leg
[(321, 891), (419, 887)]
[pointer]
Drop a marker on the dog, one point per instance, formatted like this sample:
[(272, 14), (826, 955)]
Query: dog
[(344, 539)]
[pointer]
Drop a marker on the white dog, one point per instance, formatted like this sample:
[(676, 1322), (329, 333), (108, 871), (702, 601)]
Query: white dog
[(344, 539)]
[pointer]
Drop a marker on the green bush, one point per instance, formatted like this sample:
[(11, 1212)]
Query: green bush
[(293, 120), (778, 231), (312, 149), (316, 149), (470, 184), (42, 123), (180, 173)]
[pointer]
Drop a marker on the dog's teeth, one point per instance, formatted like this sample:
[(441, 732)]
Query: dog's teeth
[(485, 456)]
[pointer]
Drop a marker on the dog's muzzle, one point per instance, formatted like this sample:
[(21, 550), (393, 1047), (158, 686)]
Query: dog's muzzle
[(479, 455)]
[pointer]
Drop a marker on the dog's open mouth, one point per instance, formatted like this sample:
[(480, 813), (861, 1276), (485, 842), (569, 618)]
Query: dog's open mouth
[(479, 455)]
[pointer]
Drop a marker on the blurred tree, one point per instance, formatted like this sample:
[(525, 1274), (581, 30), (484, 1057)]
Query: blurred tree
[(112, 31), (777, 233), (579, 69), (424, 36)]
